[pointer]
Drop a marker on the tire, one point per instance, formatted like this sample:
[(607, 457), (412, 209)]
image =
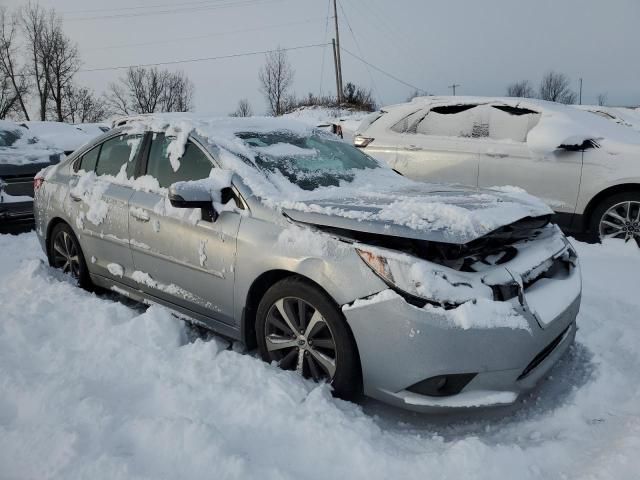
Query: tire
[(311, 351), (621, 212), (64, 253)]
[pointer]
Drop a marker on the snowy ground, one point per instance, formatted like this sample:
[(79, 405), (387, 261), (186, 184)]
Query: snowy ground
[(95, 387)]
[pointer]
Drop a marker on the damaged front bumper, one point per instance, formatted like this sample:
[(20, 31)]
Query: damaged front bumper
[(425, 359)]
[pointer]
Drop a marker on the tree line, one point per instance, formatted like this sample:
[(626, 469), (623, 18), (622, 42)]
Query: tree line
[(38, 67), (554, 87)]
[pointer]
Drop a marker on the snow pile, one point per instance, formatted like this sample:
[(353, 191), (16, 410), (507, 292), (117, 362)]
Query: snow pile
[(91, 189), (317, 116), (95, 388)]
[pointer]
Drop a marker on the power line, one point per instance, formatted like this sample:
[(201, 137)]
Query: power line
[(175, 10), (324, 51), (203, 59), (210, 35), (173, 4), (382, 71), (355, 40)]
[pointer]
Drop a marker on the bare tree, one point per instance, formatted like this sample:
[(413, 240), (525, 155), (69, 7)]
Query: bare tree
[(34, 24), (522, 89), (243, 110), (276, 77), (14, 82), (81, 105), (178, 93), (63, 61), (149, 90), (555, 87), (602, 99)]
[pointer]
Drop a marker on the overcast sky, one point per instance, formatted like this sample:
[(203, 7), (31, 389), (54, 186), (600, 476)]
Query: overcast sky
[(481, 45)]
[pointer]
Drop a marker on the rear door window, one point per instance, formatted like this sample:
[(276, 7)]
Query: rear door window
[(116, 152), (511, 123), (193, 165), (90, 159), (466, 121)]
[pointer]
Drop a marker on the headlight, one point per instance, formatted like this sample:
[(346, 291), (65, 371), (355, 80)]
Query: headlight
[(361, 142), (419, 279)]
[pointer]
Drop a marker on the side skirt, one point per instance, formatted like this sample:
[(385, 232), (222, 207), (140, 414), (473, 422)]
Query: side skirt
[(185, 314)]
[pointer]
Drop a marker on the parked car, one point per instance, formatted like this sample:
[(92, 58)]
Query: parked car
[(22, 155), (279, 235), (585, 167), (62, 136)]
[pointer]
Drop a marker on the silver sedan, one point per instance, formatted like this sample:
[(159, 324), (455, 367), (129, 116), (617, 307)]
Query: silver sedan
[(288, 239)]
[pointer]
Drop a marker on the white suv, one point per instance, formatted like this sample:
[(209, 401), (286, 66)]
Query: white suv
[(584, 167)]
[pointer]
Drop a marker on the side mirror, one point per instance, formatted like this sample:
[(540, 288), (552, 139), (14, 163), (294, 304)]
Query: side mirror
[(192, 195)]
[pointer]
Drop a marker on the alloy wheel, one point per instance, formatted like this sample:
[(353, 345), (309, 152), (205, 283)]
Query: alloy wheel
[(622, 220), (298, 338), (66, 254)]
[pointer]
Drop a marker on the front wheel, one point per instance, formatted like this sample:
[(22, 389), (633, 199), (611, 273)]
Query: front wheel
[(64, 253), (301, 329), (618, 216)]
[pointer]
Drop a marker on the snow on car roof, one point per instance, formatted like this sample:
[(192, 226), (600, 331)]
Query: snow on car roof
[(26, 149), (389, 197), (558, 125)]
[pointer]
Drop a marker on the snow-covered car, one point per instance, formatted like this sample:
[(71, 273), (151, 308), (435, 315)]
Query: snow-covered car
[(22, 155), (583, 166), (276, 234), (62, 136)]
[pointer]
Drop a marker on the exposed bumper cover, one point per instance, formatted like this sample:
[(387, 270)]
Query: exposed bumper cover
[(400, 345)]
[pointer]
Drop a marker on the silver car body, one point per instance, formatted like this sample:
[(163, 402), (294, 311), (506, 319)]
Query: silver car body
[(212, 271), (568, 157)]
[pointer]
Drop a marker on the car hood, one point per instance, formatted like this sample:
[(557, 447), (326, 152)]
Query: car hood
[(438, 213)]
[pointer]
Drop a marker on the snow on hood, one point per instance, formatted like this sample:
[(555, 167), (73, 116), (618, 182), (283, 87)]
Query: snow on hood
[(558, 125), (375, 199)]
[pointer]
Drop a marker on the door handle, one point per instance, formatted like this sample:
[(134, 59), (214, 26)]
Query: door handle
[(497, 155), (139, 214), (74, 197), (412, 148)]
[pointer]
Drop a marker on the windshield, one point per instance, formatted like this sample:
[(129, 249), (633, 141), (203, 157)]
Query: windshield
[(309, 162), (9, 137)]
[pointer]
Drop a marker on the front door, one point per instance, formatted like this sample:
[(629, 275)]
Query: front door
[(178, 256)]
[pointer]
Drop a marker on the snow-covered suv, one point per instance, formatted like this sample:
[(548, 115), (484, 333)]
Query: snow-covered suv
[(583, 166)]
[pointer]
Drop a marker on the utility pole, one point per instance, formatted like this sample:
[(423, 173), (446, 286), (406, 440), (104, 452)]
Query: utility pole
[(335, 64), (454, 88), (580, 94), (337, 51)]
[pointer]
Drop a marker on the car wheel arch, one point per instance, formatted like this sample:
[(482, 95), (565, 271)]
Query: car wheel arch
[(257, 290), (602, 196), (52, 224)]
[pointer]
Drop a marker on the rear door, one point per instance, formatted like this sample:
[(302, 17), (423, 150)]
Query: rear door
[(179, 256), (99, 205), (505, 159), (440, 144)]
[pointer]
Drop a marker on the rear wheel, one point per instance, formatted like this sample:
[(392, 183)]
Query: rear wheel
[(65, 254), (618, 216), (301, 329)]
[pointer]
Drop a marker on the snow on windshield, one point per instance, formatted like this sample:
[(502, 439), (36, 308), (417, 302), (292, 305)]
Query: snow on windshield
[(283, 178)]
